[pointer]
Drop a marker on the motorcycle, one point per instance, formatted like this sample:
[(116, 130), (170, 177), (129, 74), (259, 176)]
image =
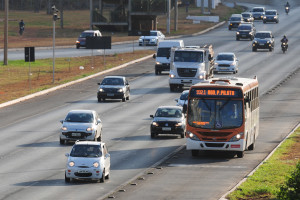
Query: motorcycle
[(287, 10), (284, 47), (21, 30)]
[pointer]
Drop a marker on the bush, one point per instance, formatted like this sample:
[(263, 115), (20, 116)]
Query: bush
[(291, 189)]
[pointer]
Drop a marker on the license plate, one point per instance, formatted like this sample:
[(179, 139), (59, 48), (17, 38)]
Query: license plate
[(243, 35), (261, 44), (83, 171), (166, 128), (223, 68), (110, 94), (76, 134)]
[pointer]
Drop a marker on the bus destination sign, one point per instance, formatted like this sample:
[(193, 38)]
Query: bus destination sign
[(216, 92)]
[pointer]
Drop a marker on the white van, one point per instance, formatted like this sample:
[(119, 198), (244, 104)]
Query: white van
[(162, 62)]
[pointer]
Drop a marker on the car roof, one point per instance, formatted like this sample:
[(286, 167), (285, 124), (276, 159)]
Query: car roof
[(236, 15), (81, 111), (246, 24), (114, 77), (88, 143), (271, 10), (226, 53), (185, 91), (264, 31), (259, 7), (246, 13), (92, 31), (174, 107)]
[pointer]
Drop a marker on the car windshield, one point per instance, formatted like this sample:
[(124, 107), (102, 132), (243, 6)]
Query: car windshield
[(184, 96), (258, 10), (80, 117), (188, 56), (85, 34), (246, 15), (235, 19), (225, 57), (270, 13), (215, 113), (153, 33), (86, 151), (248, 28), (163, 52), (168, 112), (112, 81), (262, 35)]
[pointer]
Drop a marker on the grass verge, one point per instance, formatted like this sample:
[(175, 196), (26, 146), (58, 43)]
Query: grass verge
[(266, 181)]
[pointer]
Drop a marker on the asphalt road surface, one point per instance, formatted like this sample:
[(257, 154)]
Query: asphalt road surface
[(32, 161)]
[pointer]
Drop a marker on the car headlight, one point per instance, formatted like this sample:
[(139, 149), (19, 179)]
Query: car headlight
[(71, 164), (153, 40), (96, 164), (237, 33), (77, 42), (268, 42), (171, 75), (120, 90), (154, 124), (158, 63), (90, 129), (201, 76), (275, 17), (265, 17), (237, 137), (216, 63), (192, 136), (178, 124), (101, 90), (64, 128)]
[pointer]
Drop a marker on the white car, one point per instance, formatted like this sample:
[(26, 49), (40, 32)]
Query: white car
[(154, 38), (81, 125), (183, 98), (88, 160), (226, 62)]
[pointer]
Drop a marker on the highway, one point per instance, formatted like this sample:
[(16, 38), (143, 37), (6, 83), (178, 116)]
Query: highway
[(32, 161)]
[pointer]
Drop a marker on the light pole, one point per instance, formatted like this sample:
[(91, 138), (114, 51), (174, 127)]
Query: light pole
[(55, 17)]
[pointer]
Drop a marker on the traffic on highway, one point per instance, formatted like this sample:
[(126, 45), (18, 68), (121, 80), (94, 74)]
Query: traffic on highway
[(121, 134)]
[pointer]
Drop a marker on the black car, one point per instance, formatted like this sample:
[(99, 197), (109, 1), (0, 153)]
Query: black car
[(247, 16), (235, 21), (263, 40), (245, 31), (271, 16), (168, 120), (113, 87)]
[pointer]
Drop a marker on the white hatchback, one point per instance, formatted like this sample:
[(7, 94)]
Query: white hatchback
[(88, 160), (226, 62)]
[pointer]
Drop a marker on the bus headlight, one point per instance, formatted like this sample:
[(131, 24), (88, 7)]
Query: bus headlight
[(237, 137), (192, 136), (201, 76), (172, 76)]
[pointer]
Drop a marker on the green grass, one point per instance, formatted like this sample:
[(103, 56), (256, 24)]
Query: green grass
[(265, 182)]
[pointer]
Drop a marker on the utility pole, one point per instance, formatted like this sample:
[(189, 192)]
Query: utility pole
[(176, 15), (5, 33), (55, 17), (168, 15)]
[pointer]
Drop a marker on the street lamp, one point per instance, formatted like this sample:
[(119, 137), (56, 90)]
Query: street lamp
[(55, 17)]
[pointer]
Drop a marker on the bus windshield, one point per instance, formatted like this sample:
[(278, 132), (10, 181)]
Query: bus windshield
[(215, 113)]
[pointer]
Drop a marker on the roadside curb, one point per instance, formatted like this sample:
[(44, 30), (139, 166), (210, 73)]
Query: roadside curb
[(263, 161)]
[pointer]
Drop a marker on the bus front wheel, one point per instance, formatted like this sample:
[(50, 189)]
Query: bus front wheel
[(240, 154), (195, 153)]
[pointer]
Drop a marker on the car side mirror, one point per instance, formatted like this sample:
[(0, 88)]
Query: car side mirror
[(154, 55), (61, 121), (67, 154), (151, 116), (98, 121), (107, 155), (98, 83)]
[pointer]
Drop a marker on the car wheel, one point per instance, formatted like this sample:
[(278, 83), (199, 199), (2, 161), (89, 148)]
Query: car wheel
[(61, 141), (102, 179), (234, 72), (237, 38), (271, 49), (254, 49), (77, 46), (127, 98), (123, 99), (107, 176), (264, 22), (229, 28), (99, 99), (240, 154), (156, 72), (182, 135), (195, 153), (172, 88), (152, 135), (67, 180)]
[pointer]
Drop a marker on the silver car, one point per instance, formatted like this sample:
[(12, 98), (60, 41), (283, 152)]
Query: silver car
[(226, 62), (81, 125), (183, 99), (153, 39)]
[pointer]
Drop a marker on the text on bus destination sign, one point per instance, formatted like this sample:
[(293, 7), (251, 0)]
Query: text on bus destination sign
[(215, 92)]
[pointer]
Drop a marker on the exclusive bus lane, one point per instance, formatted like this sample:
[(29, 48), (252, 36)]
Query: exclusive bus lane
[(212, 174)]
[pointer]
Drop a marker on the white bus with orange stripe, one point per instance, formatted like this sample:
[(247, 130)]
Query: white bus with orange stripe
[(223, 115)]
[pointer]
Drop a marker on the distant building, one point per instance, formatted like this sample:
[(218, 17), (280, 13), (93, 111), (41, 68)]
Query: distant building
[(126, 14)]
